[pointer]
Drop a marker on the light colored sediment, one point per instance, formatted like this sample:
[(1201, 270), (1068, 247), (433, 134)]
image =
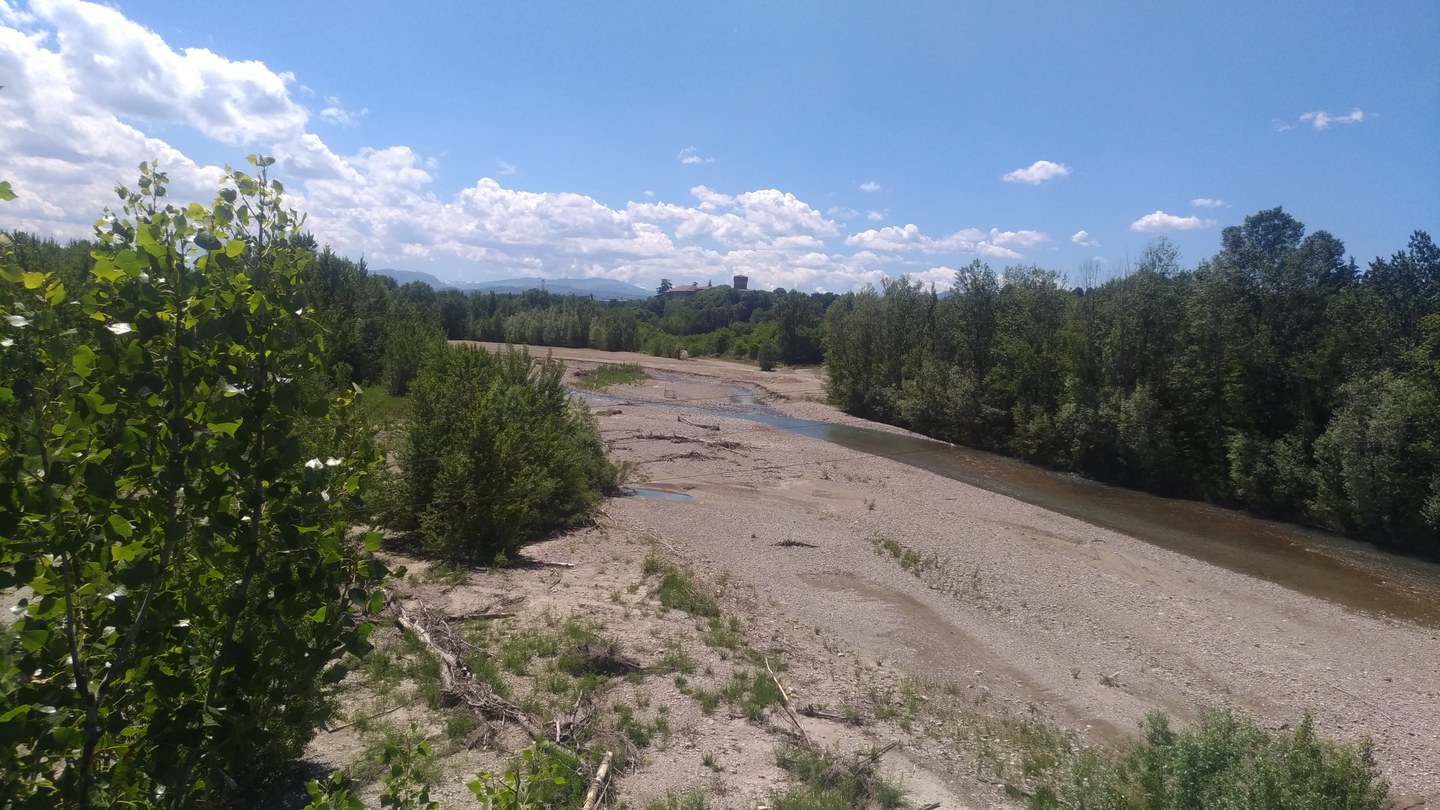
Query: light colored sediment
[(1038, 606)]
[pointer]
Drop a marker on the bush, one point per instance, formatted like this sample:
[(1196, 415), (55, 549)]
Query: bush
[(1225, 761), (186, 579), (494, 453), (768, 355)]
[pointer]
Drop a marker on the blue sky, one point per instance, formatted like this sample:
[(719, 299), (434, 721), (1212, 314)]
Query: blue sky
[(807, 144)]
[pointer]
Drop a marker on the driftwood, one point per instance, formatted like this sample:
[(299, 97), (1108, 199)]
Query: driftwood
[(785, 702), (683, 420), (693, 455), (470, 617), (458, 686), (676, 438), (329, 730), (592, 796)]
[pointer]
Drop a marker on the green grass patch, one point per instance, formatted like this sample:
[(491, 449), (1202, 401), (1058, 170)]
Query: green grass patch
[(678, 589), (380, 408), (610, 374)]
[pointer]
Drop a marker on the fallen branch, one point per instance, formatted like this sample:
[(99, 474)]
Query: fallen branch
[(785, 702), (693, 455), (793, 543), (592, 796), (329, 730), (551, 563), (676, 438), (683, 420), (457, 685), (470, 617), (874, 756)]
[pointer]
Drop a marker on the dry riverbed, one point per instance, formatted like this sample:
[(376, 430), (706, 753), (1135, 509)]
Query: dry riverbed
[(896, 606)]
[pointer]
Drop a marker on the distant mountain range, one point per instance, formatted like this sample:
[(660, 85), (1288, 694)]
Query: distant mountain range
[(602, 288)]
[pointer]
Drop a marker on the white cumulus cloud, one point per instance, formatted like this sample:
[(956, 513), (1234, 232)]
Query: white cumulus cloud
[(1320, 119), (1037, 173), (338, 115), (869, 186), (76, 117), (1084, 239), (690, 156), (1161, 221), (1207, 202), (875, 216), (909, 239)]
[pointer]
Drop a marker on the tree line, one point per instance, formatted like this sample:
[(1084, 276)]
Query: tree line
[(1275, 376)]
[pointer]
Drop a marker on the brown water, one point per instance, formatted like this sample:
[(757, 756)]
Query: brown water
[(1319, 564)]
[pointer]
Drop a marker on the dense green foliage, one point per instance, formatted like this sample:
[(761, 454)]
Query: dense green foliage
[(494, 453), (186, 584), (1225, 761), (1275, 376)]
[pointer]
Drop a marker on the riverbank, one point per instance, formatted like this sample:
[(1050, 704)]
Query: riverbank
[(1091, 626), (983, 636)]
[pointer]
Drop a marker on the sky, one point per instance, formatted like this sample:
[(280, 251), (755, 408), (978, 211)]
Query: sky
[(809, 144)]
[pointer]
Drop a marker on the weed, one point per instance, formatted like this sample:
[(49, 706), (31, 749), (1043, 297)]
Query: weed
[(708, 760), (694, 800), (678, 591), (829, 780), (751, 692), (709, 701), (676, 659), (721, 635)]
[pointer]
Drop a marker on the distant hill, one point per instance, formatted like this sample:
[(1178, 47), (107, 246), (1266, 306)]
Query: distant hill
[(407, 276), (602, 288)]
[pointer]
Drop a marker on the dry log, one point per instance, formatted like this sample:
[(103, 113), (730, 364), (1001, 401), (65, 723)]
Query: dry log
[(458, 686), (470, 617), (683, 420), (592, 796)]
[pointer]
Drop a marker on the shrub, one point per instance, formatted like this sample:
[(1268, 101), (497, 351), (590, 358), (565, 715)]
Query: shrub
[(187, 582), (494, 453), (768, 355), (1225, 760)]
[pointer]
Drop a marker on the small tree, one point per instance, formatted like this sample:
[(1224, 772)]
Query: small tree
[(494, 453), (186, 577), (768, 354)]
